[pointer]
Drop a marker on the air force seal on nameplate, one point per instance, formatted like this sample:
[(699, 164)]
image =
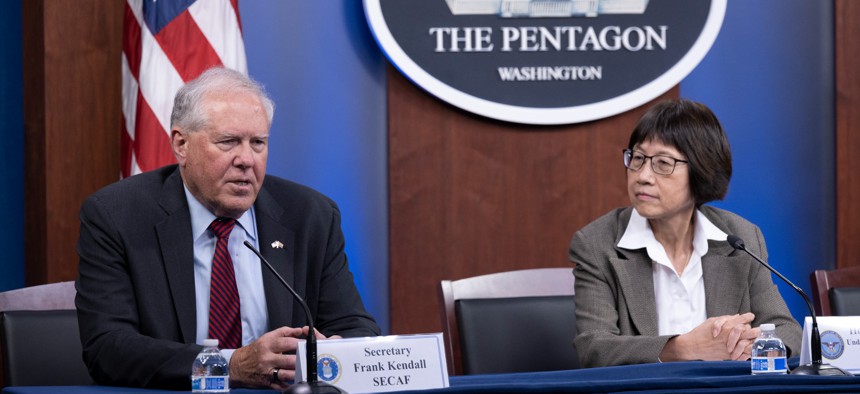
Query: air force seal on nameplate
[(840, 342), (328, 368), (379, 364)]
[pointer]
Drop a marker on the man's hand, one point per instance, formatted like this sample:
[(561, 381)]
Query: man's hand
[(252, 365), (718, 338), (255, 365)]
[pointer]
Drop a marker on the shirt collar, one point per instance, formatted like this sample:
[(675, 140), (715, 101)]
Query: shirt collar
[(705, 230), (638, 234), (201, 218)]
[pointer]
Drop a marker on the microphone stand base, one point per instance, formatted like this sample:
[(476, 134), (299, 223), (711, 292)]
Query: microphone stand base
[(820, 370), (315, 387)]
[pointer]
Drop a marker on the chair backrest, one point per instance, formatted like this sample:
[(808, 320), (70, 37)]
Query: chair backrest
[(836, 292), (39, 337), (516, 321)]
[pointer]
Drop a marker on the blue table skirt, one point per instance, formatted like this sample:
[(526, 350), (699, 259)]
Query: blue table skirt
[(698, 376), (693, 376)]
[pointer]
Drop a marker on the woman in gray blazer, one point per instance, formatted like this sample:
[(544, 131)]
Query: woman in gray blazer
[(657, 281)]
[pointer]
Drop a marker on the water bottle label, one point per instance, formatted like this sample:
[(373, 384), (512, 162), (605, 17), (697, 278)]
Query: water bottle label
[(210, 384), (769, 365)]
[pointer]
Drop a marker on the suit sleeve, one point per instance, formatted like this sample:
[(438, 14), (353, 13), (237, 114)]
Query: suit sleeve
[(340, 310), (768, 305), (114, 350), (599, 340)]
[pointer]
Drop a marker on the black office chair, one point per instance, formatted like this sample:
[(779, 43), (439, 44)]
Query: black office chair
[(516, 321), (836, 292), (39, 337)]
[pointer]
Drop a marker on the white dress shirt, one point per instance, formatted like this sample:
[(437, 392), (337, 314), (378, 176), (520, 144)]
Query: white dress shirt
[(680, 298), (247, 267)]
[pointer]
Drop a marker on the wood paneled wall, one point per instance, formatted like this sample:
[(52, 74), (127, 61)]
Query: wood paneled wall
[(72, 113), (847, 49), (471, 195)]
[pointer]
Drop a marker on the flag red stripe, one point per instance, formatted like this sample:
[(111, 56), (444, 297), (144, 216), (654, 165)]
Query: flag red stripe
[(187, 47), (125, 151), (131, 42), (235, 4), (151, 145)]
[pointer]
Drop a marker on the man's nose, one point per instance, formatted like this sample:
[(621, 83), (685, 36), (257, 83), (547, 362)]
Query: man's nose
[(245, 156)]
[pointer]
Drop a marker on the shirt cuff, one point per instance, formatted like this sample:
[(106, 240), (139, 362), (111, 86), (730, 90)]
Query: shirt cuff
[(228, 354)]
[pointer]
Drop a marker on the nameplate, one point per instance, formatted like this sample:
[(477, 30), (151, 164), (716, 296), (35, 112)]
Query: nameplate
[(379, 364), (840, 341)]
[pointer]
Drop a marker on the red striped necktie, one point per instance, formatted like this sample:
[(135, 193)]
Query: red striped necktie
[(225, 321)]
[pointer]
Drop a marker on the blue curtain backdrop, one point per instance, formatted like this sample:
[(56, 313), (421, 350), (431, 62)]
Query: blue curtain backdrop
[(769, 77), (11, 148)]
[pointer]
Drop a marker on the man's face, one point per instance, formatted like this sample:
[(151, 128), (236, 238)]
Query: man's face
[(224, 164)]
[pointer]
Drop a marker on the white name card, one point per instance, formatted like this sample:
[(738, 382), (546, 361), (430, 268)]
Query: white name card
[(840, 342), (379, 364)]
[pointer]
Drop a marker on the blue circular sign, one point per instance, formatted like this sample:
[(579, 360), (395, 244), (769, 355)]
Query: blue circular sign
[(545, 61)]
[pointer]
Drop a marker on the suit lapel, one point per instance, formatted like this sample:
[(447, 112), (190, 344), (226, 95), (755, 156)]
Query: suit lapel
[(177, 253), (635, 283), (722, 276), (277, 243)]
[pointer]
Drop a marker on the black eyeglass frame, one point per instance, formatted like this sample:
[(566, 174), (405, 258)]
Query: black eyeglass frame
[(628, 158)]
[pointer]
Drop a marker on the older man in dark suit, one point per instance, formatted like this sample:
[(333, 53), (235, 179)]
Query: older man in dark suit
[(162, 264)]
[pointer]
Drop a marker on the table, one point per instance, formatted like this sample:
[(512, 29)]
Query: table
[(676, 377), (692, 376)]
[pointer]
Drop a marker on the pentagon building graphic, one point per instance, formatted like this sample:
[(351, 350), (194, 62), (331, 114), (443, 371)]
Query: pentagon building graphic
[(546, 8)]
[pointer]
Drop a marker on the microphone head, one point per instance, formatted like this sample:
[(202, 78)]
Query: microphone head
[(736, 242)]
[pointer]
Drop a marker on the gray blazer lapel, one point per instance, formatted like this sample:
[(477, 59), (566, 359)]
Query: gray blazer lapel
[(272, 234), (636, 285), (722, 275), (177, 253), (635, 280)]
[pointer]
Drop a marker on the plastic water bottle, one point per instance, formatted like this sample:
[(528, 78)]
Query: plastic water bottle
[(768, 353), (209, 372)]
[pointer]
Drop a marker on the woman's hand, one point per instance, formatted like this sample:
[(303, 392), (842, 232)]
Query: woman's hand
[(718, 338)]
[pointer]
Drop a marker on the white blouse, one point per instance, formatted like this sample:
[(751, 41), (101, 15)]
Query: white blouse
[(680, 299)]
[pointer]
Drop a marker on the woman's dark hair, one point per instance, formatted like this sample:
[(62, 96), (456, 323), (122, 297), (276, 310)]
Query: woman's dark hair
[(693, 130)]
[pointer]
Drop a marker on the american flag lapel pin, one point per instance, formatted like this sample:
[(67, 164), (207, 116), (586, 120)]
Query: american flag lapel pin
[(277, 245)]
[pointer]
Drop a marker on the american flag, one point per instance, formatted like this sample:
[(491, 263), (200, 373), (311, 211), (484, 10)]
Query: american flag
[(165, 44)]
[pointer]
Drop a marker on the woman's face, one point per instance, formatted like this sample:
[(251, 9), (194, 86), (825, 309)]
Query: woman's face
[(656, 196)]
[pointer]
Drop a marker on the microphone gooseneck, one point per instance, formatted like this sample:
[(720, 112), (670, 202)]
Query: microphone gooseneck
[(817, 367), (313, 385)]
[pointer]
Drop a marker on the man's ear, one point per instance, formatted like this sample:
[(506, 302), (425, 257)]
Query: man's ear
[(179, 143)]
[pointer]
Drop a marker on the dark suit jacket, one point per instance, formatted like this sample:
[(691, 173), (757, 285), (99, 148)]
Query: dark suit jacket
[(135, 300), (616, 314)]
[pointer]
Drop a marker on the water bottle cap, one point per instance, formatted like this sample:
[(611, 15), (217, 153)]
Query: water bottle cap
[(767, 327), (214, 342)]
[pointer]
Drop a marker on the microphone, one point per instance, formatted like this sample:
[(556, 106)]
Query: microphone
[(817, 367), (312, 385)]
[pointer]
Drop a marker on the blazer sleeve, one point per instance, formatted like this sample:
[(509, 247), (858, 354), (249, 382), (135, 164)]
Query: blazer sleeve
[(340, 310), (114, 350), (600, 341), (768, 305)]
